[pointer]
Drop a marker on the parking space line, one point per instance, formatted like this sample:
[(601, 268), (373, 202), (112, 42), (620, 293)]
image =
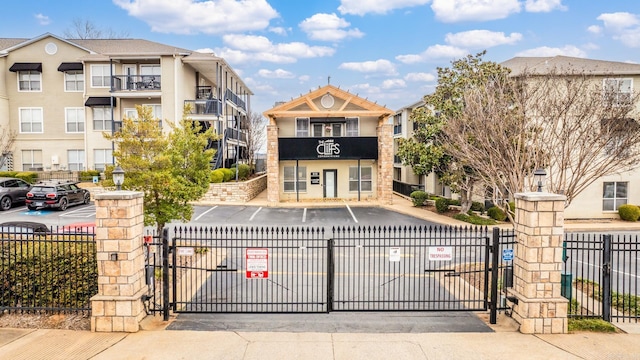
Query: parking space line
[(351, 212), (255, 213), (15, 211), (304, 215), (84, 212), (204, 213)]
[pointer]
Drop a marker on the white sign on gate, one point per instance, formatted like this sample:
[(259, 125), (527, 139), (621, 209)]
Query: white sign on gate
[(394, 254), (440, 253)]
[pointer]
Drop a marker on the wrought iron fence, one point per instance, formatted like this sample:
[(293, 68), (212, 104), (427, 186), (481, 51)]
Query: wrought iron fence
[(52, 270), (600, 276), (405, 188)]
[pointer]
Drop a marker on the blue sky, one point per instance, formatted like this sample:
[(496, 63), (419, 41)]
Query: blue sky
[(383, 50)]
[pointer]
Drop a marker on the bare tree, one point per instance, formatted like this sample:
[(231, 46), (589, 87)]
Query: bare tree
[(86, 29), (562, 122), (256, 137), (7, 139)]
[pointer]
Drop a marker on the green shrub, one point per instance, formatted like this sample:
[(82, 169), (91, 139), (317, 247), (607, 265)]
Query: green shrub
[(474, 219), (442, 205), (229, 174), (28, 176), (512, 206), (88, 175), (244, 171), (216, 176), (497, 213), (477, 207), (418, 197), (8, 173), (454, 202), (629, 212)]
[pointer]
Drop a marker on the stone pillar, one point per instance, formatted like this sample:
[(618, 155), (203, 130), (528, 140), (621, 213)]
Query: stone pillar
[(273, 166), (539, 307), (119, 228), (385, 164)]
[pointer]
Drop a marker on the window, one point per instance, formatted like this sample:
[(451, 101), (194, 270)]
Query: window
[(100, 76), (29, 80), (618, 91), (31, 120), (317, 130), (156, 111), (150, 76), (74, 120), (102, 158), (290, 179), (366, 183), (302, 127), (31, 159), (101, 118), (73, 81), (352, 127), (131, 114), (614, 194), (76, 160), (336, 129)]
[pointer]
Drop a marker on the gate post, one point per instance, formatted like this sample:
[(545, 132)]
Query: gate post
[(538, 305), (121, 269)]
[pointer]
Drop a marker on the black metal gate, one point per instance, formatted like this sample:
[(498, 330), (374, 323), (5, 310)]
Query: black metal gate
[(295, 270)]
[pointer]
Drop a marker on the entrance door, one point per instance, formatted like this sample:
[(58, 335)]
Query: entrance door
[(330, 183), (131, 78)]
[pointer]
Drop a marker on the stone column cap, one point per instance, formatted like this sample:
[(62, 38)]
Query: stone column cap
[(540, 196), (119, 195)]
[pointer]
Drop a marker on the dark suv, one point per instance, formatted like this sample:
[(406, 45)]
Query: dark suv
[(56, 195), (12, 191)]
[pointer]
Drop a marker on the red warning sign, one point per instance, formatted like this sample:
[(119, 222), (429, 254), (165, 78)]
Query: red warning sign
[(257, 263)]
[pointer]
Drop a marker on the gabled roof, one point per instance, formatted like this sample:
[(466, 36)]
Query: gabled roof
[(569, 65), (305, 106), (13, 44)]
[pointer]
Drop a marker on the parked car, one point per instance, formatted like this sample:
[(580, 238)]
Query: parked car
[(24, 227), (56, 195), (12, 191)]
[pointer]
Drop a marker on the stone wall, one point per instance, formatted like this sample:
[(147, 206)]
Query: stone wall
[(235, 192)]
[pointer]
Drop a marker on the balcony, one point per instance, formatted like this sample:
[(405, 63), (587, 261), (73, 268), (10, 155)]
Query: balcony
[(205, 107), (231, 96), (136, 83), (233, 134)]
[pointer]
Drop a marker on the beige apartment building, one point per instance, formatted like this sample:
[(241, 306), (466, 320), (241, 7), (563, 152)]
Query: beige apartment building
[(329, 144), (60, 96), (602, 198)]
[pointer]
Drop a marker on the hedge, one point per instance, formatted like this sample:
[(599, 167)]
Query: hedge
[(418, 197), (496, 213)]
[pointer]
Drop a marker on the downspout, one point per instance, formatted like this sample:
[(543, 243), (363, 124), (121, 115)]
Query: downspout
[(358, 179), (296, 180)]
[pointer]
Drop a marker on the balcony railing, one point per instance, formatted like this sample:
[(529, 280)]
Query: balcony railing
[(136, 83), (205, 107), (231, 96), (235, 134)]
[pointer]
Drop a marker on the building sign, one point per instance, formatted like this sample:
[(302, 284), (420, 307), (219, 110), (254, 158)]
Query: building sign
[(257, 263), (440, 253), (338, 148), (315, 178)]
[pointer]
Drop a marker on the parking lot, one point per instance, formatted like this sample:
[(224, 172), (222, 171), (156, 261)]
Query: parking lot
[(238, 215)]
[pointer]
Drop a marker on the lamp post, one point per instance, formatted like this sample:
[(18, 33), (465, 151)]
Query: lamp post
[(118, 177), (539, 176)]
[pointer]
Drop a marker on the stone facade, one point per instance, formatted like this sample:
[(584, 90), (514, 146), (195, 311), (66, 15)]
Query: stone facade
[(121, 284), (385, 164), (273, 187), (537, 266), (235, 192)]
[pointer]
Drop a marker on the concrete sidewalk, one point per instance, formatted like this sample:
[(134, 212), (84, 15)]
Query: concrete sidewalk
[(154, 342)]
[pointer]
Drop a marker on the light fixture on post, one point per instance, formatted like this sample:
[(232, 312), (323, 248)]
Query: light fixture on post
[(118, 177), (539, 176)]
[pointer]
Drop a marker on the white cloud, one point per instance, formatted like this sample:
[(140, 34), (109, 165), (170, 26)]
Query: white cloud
[(328, 27), (434, 52), (482, 38), (247, 48), (360, 7), (544, 5), (304, 78), (474, 10), (208, 16), (276, 74), (393, 84), (42, 19), (419, 77), (379, 66), (279, 30), (618, 21), (545, 51), (594, 29), (623, 26)]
